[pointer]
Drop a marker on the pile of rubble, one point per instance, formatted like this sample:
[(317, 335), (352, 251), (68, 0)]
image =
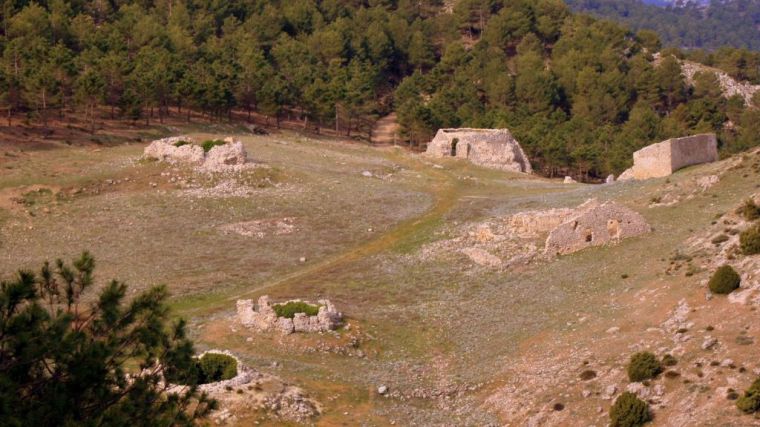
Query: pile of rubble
[(264, 318), (227, 157), (516, 239), (252, 390)]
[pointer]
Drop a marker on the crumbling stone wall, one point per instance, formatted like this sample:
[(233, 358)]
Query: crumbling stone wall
[(263, 317), (534, 223), (664, 158), (492, 148), (595, 224), (226, 157)]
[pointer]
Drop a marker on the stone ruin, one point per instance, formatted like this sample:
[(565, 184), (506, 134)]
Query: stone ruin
[(593, 224), (263, 318), (664, 158), (230, 156), (491, 148)]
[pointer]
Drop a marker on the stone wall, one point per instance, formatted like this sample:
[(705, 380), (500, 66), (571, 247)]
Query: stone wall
[(221, 158), (492, 148), (595, 224), (263, 317), (664, 158)]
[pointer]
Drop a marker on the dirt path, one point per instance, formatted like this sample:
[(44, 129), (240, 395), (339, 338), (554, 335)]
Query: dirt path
[(446, 192), (386, 130)]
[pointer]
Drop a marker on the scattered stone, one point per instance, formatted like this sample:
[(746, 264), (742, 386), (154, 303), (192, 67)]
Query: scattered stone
[(613, 330), (709, 343), (367, 174), (610, 179), (482, 257), (569, 180), (382, 390)]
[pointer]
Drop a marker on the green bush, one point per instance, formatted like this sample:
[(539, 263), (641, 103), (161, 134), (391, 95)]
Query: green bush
[(629, 411), (216, 367), (669, 360), (643, 366), (290, 309), (749, 210), (211, 143), (181, 143), (749, 240), (750, 402), (724, 280)]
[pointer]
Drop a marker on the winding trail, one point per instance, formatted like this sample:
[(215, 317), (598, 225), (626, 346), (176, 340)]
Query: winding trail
[(386, 130), (446, 191)]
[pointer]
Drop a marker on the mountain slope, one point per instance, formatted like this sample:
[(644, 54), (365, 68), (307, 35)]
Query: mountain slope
[(730, 23)]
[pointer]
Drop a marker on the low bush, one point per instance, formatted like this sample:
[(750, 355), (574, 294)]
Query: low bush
[(725, 280), (720, 238), (749, 240), (669, 360), (216, 367), (749, 210), (750, 401), (290, 309), (211, 143), (643, 366), (629, 411), (181, 143), (210, 368)]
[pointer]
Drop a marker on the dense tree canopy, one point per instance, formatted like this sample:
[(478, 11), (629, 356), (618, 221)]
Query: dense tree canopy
[(579, 93), (694, 24)]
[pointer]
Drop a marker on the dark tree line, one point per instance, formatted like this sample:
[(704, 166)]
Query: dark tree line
[(579, 93)]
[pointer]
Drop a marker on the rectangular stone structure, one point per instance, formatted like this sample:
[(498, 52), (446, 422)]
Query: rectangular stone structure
[(664, 158)]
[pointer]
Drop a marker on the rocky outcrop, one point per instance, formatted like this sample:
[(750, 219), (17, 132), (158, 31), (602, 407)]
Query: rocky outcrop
[(664, 158), (729, 86), (263, 318), (595, 224), (492, 148)]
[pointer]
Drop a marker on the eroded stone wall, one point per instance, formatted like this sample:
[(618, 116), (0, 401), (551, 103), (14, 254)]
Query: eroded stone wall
[(492, 148), (263, 318), (595, 224)]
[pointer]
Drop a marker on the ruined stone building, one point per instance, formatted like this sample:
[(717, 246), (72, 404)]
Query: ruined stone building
[(664, 158), (492, 148), (263, 317)]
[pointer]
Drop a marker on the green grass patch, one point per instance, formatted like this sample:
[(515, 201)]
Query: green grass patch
[(211, 143), (290, 309), (182, 142)]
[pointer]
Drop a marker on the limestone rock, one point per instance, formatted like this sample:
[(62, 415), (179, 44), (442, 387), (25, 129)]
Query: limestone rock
[(569, 180), (595, 224), (492, 148), (610, 179), (664, 158)]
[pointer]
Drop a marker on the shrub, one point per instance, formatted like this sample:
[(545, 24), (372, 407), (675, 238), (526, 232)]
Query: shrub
[(750, 402), (290, 309), (216, 367), (749, 210), (211, 143), (749, 240), (643, 366), (720, 238), (669, 360), (629, 411), (724, 280), (181, 143)]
